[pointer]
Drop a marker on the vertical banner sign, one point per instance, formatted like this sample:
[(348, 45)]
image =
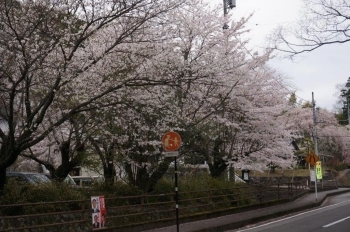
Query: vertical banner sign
[(98, 212), (318, 170)]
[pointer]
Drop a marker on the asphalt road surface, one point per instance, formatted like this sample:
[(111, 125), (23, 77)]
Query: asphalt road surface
[(332, 216)]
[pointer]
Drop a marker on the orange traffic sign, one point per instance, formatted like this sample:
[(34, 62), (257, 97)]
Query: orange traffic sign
[(312, 158), (171, 141)]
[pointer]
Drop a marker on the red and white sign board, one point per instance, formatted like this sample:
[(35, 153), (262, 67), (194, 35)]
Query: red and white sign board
[(98, 212), (171, 141)]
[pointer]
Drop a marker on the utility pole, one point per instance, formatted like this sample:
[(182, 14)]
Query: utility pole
[(347, 105), (314, 137), (228, 4)]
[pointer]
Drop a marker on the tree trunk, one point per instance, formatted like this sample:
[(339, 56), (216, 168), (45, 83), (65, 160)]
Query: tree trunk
[(8, 156), (2, 180), (109, 172), (158, 174), (142, 179), (218, 167)]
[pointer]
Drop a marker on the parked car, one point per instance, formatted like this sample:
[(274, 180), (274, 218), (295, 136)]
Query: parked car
[(86, 181), (28, 177), (68, 180)]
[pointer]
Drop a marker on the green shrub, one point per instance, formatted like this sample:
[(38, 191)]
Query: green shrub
[(341, 167), (190, 186), (164, 185), (15, 193), (105, 189)]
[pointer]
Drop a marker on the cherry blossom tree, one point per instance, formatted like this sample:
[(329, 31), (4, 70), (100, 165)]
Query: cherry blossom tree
[(63, 149), (331, 137), (56, 52), (242, 127), (233, 86), (117, 83), (130, 139), (217, 98)]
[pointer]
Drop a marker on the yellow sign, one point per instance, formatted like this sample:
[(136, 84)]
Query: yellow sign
[(312, 158), (318, 170)]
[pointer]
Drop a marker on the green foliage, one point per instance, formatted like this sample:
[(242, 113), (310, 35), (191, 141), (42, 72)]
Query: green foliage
[(14, 193), (24, 193), (106, 189), (164, 185), (345, 95), (200, 183), (342, 118), (199, 194), (307, 104), (305, 145), (203, 181), (293, 99), (341, 167)]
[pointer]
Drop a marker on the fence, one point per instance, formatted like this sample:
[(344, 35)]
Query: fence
[(128, 211)]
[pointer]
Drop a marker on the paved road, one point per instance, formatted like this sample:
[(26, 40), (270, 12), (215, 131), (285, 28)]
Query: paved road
[(237, 220), (332, 216)]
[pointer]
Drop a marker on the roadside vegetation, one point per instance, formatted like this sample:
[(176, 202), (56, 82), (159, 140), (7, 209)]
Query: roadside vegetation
[(96, 85), (199, 195), (190, 186)]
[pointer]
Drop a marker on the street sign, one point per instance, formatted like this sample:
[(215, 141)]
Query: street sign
[(312, 158), (318, 170), (312, 175), (171, 141), (171, 154)]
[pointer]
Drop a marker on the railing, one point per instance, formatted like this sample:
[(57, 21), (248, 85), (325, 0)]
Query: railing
[(325, 184), (128, 211)]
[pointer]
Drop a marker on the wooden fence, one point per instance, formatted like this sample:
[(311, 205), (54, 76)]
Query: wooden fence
[(144, 209)]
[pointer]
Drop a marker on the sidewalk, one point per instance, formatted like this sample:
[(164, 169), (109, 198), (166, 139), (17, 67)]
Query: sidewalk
[(239, 220)]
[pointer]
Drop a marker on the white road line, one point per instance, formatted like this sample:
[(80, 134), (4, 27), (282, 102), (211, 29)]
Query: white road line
[(283, 219), (336, 222)]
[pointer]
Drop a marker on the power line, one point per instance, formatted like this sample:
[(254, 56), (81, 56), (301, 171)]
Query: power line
[(335, 136)]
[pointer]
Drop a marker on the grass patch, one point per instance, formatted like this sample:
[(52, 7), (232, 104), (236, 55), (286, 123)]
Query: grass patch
[(281, 173)]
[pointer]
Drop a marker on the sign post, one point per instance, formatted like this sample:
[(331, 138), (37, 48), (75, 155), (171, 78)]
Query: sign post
[(171, 142), (313, 159), (315, 183)]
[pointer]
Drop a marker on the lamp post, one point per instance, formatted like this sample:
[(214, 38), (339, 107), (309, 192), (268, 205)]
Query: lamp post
[(228, 4)]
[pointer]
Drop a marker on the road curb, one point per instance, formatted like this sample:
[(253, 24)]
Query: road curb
[(242, 223)]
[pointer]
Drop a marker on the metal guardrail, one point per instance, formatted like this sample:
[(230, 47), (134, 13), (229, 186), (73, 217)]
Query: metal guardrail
[(127, 211)]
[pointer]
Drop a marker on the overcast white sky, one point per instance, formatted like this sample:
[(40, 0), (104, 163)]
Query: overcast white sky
[(319, 71)]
